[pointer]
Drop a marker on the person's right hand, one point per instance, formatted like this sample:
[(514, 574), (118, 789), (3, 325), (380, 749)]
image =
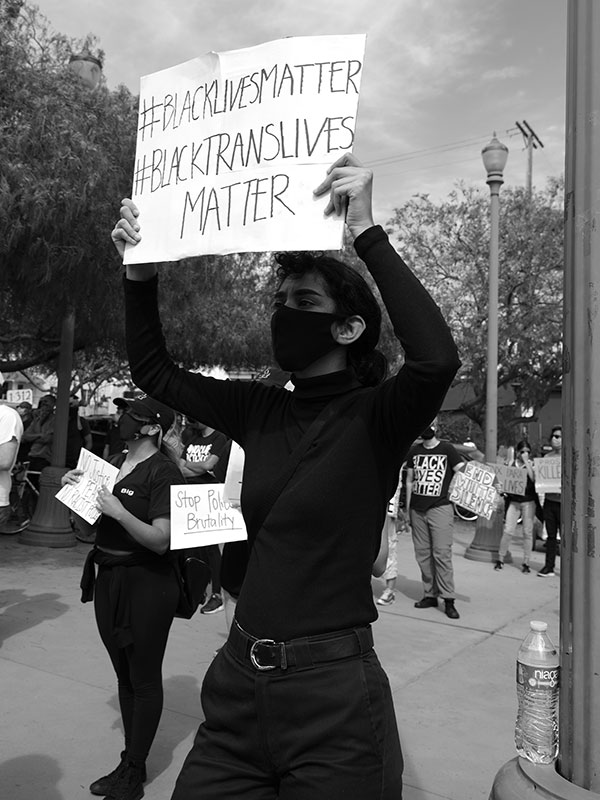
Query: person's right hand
[(126, 230)]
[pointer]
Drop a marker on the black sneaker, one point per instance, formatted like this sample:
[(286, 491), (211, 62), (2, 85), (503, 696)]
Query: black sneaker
[(103, 785), (129, 785), (546, 572), (427, 602), (214, 604), (525, 569), (450, 610), (499, 565)]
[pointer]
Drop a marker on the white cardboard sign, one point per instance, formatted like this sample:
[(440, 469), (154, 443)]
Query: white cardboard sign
[(230, 147), (81, 497), (473, 488), (201, 515)]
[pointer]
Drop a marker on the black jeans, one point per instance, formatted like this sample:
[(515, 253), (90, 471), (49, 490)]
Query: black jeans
[(154, 593), (552, 523), (322, 733)]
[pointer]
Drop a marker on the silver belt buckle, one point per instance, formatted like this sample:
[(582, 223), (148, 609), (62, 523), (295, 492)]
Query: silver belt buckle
[(253, 659)]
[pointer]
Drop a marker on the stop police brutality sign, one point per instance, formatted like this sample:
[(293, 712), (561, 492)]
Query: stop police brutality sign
[(201, 515), (230, 147)]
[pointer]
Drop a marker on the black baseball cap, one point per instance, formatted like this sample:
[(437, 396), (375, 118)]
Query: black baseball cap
[(147, 408)]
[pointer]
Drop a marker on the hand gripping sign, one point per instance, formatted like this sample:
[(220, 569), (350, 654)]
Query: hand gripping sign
[(230, 147)]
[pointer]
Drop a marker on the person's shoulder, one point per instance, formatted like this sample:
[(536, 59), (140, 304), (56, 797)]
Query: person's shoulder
[(162, 464)]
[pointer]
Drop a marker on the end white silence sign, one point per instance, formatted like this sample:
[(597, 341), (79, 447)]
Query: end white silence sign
[(230, 147), (201, 515), (473, 488)]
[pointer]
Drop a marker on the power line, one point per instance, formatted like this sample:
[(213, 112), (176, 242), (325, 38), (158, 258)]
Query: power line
[(434, 150)]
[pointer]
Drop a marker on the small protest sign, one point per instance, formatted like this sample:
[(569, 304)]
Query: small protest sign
[(81, 497), (547, 474), (201, 515), (473, 489), (511, 480), (230, 147)]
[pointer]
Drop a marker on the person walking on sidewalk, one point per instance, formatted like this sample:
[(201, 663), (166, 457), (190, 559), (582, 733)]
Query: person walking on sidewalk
[(551, 510), (520, 505), (429, 470), (296, 702), (136, 590)]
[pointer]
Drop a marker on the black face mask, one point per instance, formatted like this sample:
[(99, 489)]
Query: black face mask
[(301, 337), (130, 428), (428, 434)]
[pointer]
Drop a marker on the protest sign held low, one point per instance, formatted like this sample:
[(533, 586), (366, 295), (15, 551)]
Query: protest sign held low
[(231, 146), (81, 497), (512, 480), (473, 488), (202, 515), (547, 474)]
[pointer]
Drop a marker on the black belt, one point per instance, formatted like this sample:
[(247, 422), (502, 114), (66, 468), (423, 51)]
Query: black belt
[(266, 654)]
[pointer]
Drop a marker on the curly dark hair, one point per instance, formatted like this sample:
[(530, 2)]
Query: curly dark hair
[(351, 295)]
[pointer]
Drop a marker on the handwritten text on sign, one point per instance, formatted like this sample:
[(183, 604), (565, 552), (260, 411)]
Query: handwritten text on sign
[(231, 145), (473, 489), (81, 497), (201, 515), (512, 480), (547, 474)]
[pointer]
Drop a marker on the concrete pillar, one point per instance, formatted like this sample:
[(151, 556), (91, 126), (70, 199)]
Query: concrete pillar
[(577, 773)]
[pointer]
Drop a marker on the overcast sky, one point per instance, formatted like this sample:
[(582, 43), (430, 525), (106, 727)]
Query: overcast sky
[(440, 76)]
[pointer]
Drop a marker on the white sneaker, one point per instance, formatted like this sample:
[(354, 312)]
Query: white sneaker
[(386, 598)]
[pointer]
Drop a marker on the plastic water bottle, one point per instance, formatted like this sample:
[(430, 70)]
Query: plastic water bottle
[(536, 730)]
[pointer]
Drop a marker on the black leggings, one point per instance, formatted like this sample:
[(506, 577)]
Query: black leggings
[(154, 593)]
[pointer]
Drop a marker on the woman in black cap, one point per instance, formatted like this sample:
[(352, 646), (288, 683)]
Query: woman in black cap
[(136, 590)]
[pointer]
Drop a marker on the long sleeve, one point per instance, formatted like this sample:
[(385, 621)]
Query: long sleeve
[(431, 357)]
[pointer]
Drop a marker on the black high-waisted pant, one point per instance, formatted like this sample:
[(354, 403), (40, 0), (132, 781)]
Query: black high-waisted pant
[(322, 733), (154, 593)]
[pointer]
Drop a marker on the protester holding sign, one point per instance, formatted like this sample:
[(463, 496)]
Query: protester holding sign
[(552, 508), (520, 505), (296, 701), (136, 591), (430, 466)]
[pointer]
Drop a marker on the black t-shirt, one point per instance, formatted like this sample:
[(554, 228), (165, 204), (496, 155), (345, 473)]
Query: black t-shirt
[(197, 447), (433, 468), (145, 493)]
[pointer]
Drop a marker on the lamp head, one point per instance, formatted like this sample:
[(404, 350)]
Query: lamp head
[(494, 157)]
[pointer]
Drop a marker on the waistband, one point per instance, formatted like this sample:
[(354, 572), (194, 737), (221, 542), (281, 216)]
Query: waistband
[(305, 652)]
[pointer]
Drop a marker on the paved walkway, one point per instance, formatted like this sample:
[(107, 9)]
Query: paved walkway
[(453, 681)]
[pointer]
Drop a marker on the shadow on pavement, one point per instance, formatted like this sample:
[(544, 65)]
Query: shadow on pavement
[(16, 778), (21, 611)]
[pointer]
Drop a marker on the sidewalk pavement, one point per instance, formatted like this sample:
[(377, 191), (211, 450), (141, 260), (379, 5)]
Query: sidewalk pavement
[(453, 681)]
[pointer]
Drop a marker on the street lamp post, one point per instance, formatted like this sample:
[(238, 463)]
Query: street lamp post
[(494, 157), (484, 546)]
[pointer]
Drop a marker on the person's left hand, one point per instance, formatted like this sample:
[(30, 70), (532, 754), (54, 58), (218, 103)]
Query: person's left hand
[(108, 504), (350, 186)]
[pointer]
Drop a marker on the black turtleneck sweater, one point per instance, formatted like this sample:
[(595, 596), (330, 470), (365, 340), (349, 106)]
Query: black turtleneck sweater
[(309, 570)]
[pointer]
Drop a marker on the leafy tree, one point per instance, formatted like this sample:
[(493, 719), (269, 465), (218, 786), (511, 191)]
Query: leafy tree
[(447, 244), (65, 153)]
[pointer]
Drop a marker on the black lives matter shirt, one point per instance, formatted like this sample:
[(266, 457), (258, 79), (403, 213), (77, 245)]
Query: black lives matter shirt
[(433, 469), (197, 447)]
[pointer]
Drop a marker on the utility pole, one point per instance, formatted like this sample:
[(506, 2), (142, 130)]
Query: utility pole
[(532, 142)]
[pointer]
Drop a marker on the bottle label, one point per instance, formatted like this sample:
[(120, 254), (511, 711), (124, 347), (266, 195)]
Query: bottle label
[(537, 677)]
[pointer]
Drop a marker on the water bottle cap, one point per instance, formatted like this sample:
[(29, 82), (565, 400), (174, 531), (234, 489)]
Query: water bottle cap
[(537, 625)]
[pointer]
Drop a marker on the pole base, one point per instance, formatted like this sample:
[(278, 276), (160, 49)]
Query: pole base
[(51, 523), (486, 541), (519, 779)]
